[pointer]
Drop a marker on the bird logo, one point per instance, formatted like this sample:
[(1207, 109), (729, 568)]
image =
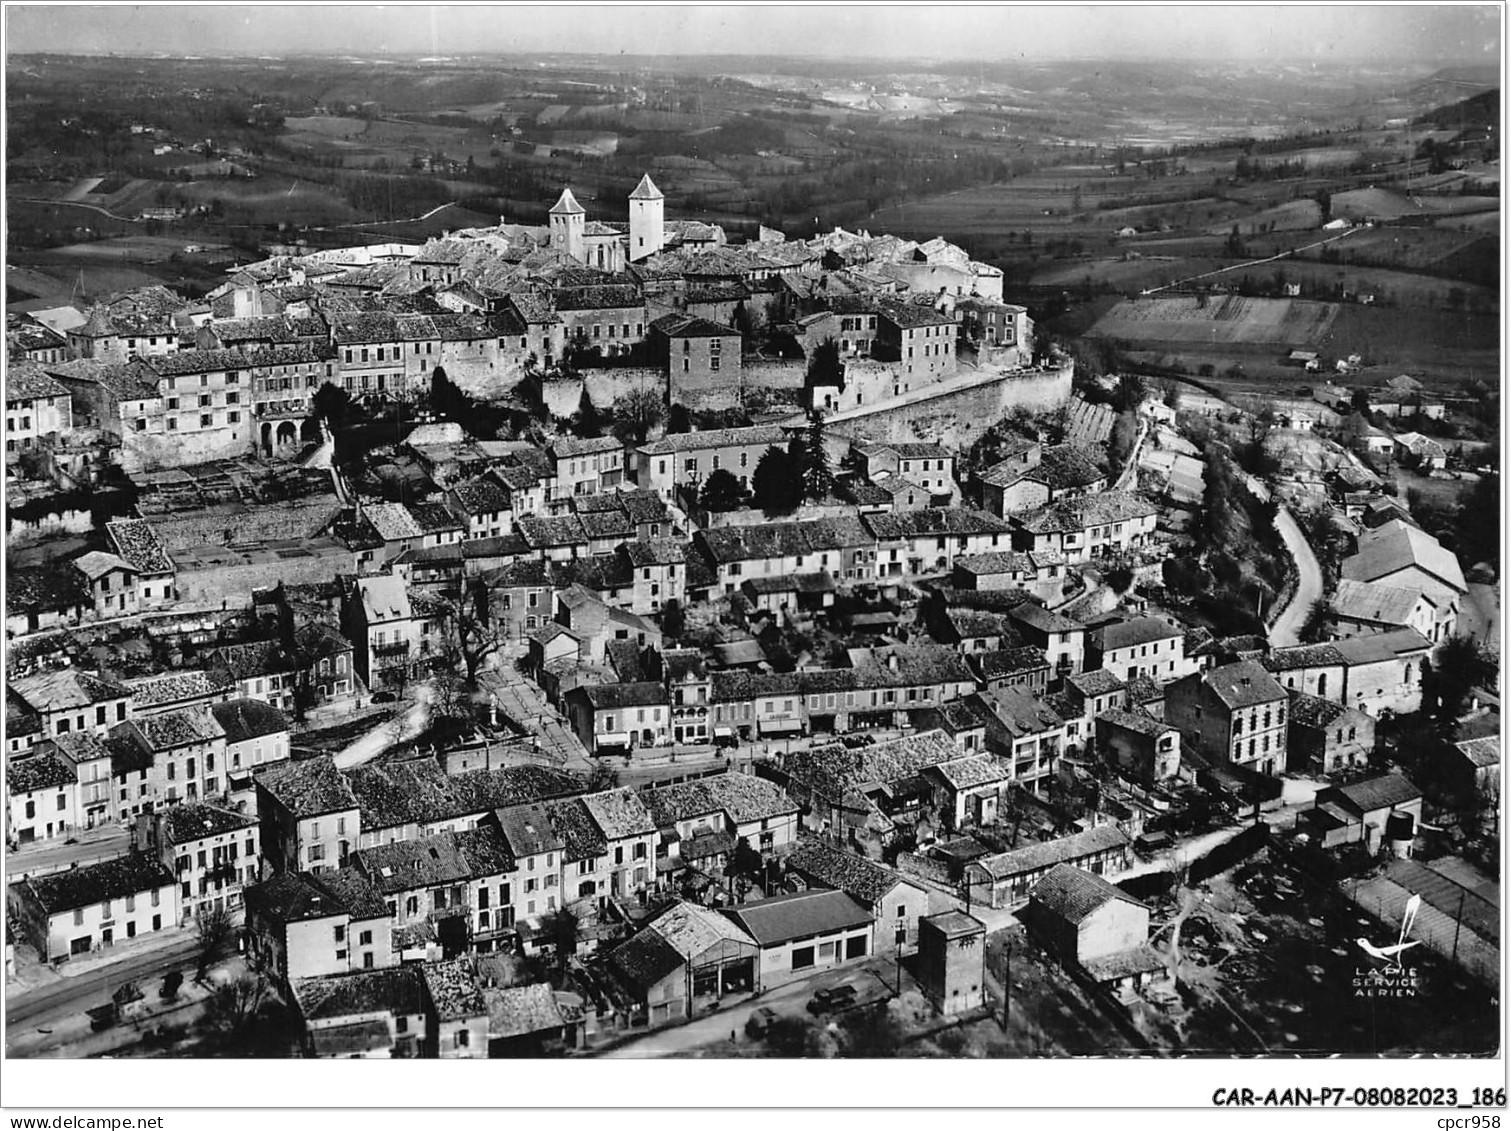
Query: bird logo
[(1392, 954)]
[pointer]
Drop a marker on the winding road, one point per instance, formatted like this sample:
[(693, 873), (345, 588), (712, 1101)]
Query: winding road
[(1286, 628)]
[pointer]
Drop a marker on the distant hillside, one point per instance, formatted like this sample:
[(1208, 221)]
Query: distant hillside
[(1480, 110)]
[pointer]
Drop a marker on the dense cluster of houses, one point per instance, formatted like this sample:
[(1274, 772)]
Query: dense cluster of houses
[(929, 689)]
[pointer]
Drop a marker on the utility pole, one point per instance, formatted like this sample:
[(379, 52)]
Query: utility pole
[(1007, 980), (1458, 924)]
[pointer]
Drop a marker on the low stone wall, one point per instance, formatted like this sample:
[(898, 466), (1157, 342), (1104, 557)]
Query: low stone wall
[(957, 412)]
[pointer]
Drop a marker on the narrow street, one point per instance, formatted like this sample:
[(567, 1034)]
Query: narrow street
[(90, 846), (1292, 619), (1286, 628)]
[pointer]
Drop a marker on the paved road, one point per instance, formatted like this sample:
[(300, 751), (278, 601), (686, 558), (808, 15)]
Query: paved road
[(1292, 619), (1286, 628), (84, 991), (381, 737), (92, 845), (526, 704)]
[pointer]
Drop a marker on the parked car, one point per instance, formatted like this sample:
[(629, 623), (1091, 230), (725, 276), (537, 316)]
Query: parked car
[(832, 1000), (384, 697), (759, 1022)]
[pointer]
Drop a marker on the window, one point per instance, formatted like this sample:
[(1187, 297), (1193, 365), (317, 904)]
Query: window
[(462, 1037), (802, 957), (78, 916), (31, 809), (855, 947)]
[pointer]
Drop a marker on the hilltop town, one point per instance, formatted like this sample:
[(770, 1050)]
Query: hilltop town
[(591, 638)]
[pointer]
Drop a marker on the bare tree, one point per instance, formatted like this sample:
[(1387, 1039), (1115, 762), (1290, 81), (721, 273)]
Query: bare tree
[(215, 932), (467, 638), (235, 1004), (637, 412)]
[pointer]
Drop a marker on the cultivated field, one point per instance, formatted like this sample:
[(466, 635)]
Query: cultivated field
[(1223, 320)]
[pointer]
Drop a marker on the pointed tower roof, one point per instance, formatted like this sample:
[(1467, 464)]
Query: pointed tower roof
[(567, 205), (646, 190)]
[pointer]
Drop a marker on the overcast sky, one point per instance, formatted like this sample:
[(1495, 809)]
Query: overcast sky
[(1208, 31)]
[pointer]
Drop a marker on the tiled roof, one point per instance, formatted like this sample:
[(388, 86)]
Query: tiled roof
[(1094, 683), (1033, 857), (916, 665), (579, 833), (1396, 546), (1376, 603), (527, 829), (483, 790), (1243, 684), (972, 771), (392, 521), (28, 381), (1383, 792), (178, 728), (1140, 630), (398, 990), (1310, 711), (183, 824), (309, 788), (835, 771), (1381, 647), (1069, 515), (540, 531), (391, 794), (96, 564), (743, 797), (66, 688), (246, 719), (1017, 711), (781, 918), (91, 884), (196, 361), (614, 297), (136, 541), (617, 696), (482, 495), (290, 897), (692, 326), (996, 561), (40, 771), (518, 1011), (1302, 656), (933, 521), (1073, 893), (656, 551), (645, 959), (675, 443), (1135, 721), (619, 813), (692, 930), (172, 687), (567, 447)]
